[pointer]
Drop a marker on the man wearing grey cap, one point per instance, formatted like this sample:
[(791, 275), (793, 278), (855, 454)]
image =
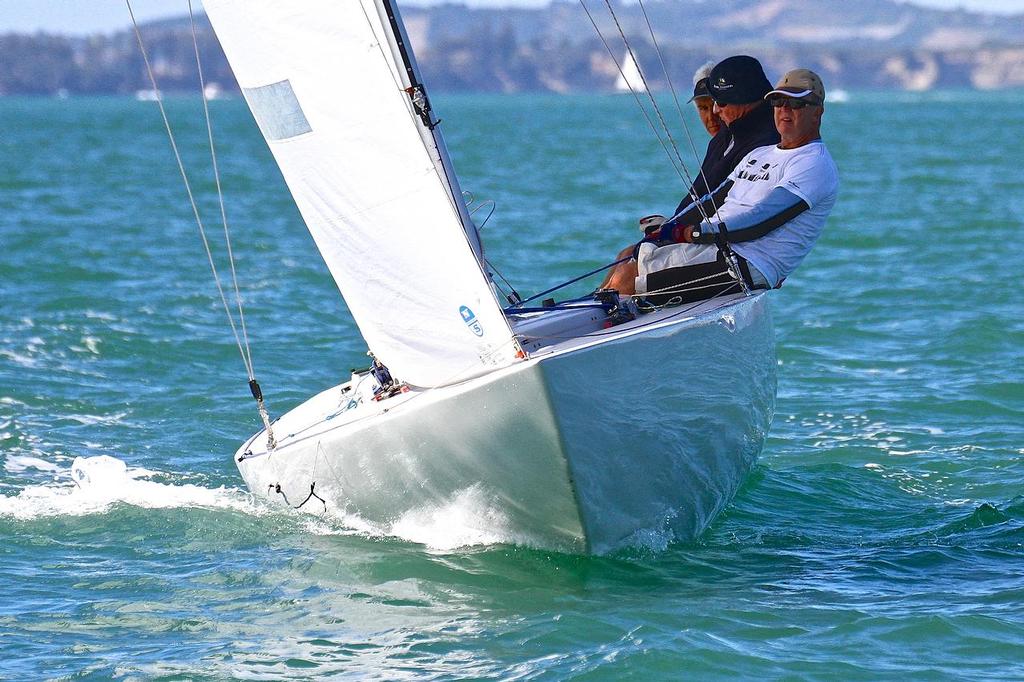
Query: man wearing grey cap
[(771, 210), (702, 100)]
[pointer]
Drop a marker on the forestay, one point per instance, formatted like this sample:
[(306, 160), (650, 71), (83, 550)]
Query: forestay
[(322, 81)]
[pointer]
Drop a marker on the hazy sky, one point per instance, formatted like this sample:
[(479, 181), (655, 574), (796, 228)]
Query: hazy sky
[(91, 16)]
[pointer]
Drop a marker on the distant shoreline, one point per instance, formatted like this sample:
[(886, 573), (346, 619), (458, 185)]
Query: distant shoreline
[(870, 45)]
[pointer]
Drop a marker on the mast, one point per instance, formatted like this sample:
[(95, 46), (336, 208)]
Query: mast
[(398, 40)]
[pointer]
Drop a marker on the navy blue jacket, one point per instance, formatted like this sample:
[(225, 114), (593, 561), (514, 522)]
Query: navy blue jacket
[(732, 143)]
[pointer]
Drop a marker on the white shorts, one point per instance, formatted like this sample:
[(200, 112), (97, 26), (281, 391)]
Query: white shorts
[(652, 258)]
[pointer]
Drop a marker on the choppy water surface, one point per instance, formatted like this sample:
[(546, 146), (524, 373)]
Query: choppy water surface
[(880, 536)]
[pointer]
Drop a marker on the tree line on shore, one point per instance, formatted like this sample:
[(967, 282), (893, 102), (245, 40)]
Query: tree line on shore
[(495, 52)]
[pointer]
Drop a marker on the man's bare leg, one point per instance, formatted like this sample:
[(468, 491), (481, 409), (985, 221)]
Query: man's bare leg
[(622, 278), (611, 272)]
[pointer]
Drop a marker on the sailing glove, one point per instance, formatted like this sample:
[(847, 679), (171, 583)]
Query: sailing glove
[(674, 234)]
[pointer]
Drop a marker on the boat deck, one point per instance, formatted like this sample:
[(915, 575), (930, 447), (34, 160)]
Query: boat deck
[(543, 334)]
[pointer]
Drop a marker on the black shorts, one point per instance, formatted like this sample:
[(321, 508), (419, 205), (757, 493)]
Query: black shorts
[(692, 283)]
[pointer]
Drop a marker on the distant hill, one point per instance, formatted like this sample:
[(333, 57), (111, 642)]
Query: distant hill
[(863, 44), (863, 24)]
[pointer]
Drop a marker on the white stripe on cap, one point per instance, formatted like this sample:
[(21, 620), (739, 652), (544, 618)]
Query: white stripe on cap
[(787, 93)]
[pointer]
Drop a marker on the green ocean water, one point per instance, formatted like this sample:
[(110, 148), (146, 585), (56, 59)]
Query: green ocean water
[(881, 535)]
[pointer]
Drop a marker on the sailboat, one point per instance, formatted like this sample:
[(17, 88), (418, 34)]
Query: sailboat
[(582, 428), (629, 78)]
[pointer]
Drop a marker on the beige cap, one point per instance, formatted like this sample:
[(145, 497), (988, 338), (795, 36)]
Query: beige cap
[(800, 83)]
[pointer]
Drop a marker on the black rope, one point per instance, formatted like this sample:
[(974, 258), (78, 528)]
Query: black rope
[(311, 495), (276, 487), (513, 297), (571, 281)]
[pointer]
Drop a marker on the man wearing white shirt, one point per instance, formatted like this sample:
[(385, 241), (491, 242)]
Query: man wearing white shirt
[(773, 206)]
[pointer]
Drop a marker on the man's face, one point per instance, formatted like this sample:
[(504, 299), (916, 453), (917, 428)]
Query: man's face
[(706, 111), (797, 125), (732, 112)]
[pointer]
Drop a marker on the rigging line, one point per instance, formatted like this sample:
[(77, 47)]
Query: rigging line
[(688, 179), (682, 118), (483, 203), (723, 245), (636, 328), (188, 186), (513, 296), (654, 103), (571, 281), (647, 89), (639, 103), (220, 195)]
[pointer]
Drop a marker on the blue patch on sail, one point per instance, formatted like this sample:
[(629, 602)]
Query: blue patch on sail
[(470, 319), (277, 111)]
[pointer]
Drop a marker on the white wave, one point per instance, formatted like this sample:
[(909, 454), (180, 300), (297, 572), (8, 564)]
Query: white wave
[(100, 482), (467, 519), (18, 463), (93, 485), (90, 344), (20, 359), (651, 539), (104, 420)]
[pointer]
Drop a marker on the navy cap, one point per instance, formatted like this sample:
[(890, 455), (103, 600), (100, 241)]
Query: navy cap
[(700, 89), (738, 80)]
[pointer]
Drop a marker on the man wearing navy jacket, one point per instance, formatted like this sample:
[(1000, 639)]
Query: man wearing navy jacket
[(737, 85)]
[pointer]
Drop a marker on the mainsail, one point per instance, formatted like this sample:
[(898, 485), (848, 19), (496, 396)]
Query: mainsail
[(330, 83)]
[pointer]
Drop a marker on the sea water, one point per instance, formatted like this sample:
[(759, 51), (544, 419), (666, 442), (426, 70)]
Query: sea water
[(879, 537)]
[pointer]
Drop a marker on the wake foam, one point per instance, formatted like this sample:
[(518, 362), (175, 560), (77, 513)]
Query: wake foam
[(94, 485), (17, 464), (98, 483), (466, 520)]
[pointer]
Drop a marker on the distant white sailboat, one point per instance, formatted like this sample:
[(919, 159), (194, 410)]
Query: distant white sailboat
[(212, 91), (629, 79), (837, 95), (582, 429)]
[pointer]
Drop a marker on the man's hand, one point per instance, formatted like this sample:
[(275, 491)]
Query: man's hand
[(677, 234)]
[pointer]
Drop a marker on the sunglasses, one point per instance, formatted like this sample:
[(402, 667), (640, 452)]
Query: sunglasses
[(790, 103)]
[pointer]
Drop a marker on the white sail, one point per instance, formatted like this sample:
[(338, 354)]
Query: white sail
[(326, 82), (629, 78)]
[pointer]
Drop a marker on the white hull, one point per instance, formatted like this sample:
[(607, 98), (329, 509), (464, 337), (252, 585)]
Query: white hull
[(649, 426)]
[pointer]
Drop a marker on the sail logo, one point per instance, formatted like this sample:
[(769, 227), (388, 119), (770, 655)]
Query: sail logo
[(470, 319), (472, 323)]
